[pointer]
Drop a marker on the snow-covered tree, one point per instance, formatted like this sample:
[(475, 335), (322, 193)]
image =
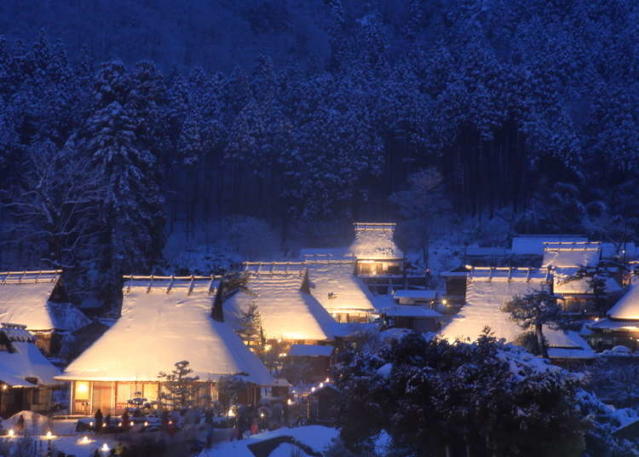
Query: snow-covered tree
[(179, 389), (533, 311)]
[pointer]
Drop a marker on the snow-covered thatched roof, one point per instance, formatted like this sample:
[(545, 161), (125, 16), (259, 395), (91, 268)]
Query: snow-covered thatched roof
[(334, 284), (567, 344), (571, 254), (410, 311), (24, 298), (374, 241), (627, 308), (23, 362), (487, 290), (166, 320), (286, 311), (534, 244)]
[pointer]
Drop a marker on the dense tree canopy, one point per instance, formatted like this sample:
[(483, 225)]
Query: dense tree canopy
[(525, 105)]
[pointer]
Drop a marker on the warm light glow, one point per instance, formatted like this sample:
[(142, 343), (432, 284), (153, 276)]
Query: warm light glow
[(170, 422), (146, 424), (312, 389), (131, 423), (327, 380), (5, 387), (267, 347), (289, 402), (231, 412), (85, 440), (444, 301), (91, 424), (105, 448), (321, 384), (12, 433), (81, 390), (49, 436), (262, 415), (119, 424), (282, 354)]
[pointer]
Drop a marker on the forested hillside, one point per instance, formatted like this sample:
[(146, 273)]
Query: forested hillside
[(296, 114)]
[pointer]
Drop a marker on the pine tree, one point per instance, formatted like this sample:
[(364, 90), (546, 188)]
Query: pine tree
[(179, 390), (534, 311)]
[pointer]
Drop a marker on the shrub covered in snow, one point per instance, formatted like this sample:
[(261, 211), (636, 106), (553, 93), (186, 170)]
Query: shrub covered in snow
[(483, 398)]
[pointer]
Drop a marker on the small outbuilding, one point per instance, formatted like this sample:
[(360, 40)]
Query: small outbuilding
[(36, 300), (26, 376)]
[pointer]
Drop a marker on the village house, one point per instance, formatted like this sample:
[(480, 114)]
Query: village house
[(621, 325), (164, 320), (36, 300), (281, 292), (572, 283), (26, 376), (488, 290), (336, 287), (375, 250)]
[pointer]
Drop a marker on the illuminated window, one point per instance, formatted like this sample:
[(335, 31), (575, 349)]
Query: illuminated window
[(81, 390), (151, 391)]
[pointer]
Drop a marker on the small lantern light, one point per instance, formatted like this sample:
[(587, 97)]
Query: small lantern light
[(12, 433)]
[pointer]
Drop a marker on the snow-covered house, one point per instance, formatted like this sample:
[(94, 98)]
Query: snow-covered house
[(566, 259), (487, 290), (26, 376), (414, 317), (34, 299), (375, 250), (281, 291), (334, 284), (534, 245), (164, 320), (621, 326)]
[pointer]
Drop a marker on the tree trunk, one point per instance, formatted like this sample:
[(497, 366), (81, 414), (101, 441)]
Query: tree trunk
[(540, 341)]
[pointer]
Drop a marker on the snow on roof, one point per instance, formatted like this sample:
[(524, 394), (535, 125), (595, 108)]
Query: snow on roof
[(325, 253), (571, 254), (25, 362), (564, 285), (486, 293), (409, 311), (627, 308), (374, 241), (612, 324), (24, 298), (426, 294), (165, 320), (334, 284), (317, 437), (478, 251), (534, 244), (286, 311), (567, 345), (310, 350)]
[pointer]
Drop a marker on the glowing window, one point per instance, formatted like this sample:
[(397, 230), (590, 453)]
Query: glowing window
[(81, 390)]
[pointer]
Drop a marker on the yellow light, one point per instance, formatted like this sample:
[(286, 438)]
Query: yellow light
[(327, 380), (262, 415), (5, 387), (131, 423), (91, 424), (12, 433), (231, 412), (103, 424), (444, 301), (321, 384), (119, 424), (146, 424), (104, 448), (282, 354), (84, 440), (289, 402), (170, 422), (49, 436), (312, 389)]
